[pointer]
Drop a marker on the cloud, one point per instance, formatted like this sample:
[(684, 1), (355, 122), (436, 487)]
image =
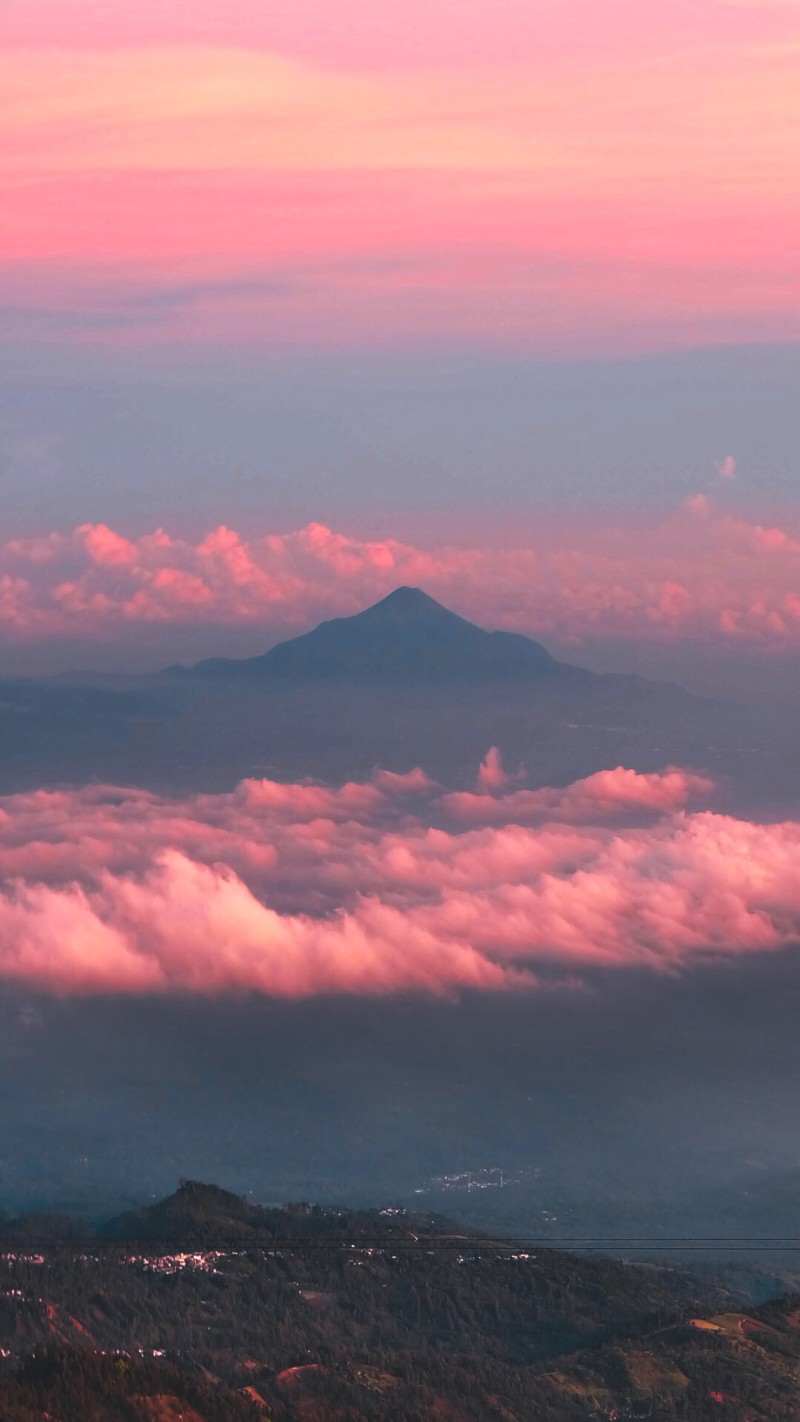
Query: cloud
[(391, 886), (607, 794), (492, 778), (700, 576)]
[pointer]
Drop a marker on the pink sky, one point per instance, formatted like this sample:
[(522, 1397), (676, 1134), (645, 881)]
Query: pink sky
[(618, 176)]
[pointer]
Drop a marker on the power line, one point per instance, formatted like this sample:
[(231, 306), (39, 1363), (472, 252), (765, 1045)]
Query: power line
[(459, 1245)]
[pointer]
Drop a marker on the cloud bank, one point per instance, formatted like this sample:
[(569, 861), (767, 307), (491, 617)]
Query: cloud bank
[(702, 576), (390, 886)]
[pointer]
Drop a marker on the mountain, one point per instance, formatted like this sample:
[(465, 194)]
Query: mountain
[(374, 1317), (404, 683), (408, 636), (198, 1213)]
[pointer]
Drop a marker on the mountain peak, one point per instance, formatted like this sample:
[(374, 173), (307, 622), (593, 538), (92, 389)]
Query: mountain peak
[(406, 604), (408, 636)]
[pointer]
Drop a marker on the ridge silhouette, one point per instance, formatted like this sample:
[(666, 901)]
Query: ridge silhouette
[(406, 636)]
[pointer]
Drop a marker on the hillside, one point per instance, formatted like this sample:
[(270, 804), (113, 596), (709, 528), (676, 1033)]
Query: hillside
[(371, 1317)]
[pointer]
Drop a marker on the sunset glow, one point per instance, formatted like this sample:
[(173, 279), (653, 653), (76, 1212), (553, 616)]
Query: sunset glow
[(701, 576), (481, 173), (399, 697), (114, 890)]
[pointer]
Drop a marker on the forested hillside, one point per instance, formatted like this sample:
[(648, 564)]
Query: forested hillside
[(207, 1307)]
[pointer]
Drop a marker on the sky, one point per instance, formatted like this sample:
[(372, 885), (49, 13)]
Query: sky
[(613, 178), (300, 302), (492, 277)]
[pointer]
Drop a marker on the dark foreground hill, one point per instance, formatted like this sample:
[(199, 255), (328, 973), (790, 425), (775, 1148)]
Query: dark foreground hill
[(200, 1215), (322, 1316)]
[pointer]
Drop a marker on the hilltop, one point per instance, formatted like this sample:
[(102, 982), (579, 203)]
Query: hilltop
[(201, 1214)]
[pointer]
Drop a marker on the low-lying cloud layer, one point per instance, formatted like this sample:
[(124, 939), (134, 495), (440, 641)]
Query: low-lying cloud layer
[(390, 886), (701, 576)]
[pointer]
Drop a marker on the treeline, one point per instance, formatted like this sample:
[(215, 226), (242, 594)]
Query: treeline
[(73, 1386), (61, 1385)]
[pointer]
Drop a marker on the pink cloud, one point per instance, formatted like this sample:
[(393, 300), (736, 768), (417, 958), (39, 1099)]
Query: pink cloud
[(388, 886), (105, 548), (608, 794), (492, 778), (701, 576)]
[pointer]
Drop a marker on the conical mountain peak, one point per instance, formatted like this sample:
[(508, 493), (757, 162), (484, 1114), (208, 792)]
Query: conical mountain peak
[(407, 604), (406, 637)]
